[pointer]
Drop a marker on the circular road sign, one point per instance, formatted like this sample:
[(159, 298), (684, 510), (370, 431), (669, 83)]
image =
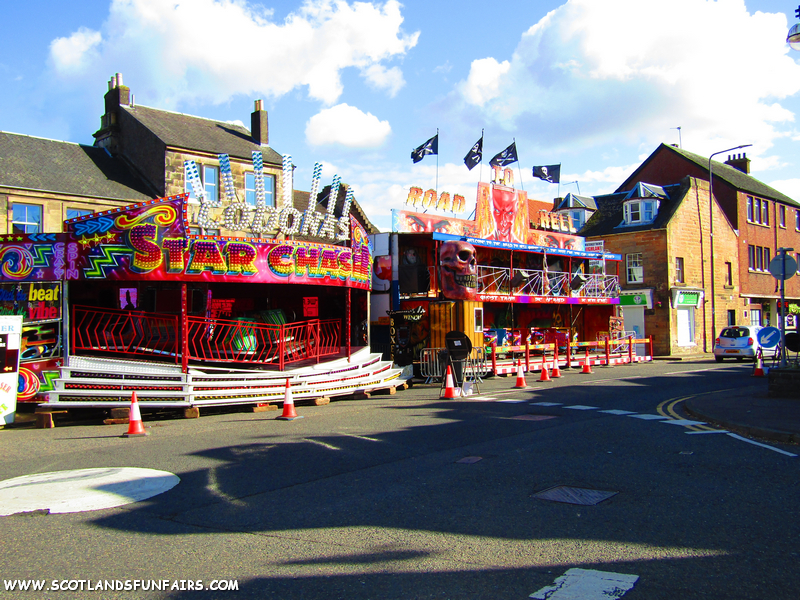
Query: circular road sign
[(776, 267), (769, 337)]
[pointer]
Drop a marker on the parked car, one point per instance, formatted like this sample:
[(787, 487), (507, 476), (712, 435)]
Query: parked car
[(739, 342)]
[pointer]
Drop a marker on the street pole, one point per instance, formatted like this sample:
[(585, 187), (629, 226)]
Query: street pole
[(782, 313), (711, 236)]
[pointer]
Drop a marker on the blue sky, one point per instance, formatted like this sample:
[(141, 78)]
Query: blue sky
[(594, 85)]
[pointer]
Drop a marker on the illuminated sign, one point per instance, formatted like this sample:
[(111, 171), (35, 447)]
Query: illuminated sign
[(429, 199), (236, 215), (556, 222)]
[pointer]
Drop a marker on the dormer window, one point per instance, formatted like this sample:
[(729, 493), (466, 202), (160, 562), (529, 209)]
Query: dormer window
[(640, 211)]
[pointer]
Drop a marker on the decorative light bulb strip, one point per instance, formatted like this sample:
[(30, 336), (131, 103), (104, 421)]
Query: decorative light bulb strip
[(287, 180), (258, 172), (311, 218), (227, 177), (328, 229)]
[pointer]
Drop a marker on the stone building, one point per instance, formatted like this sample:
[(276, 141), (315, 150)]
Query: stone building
[(662, 234), (44, 182), (763, 218)]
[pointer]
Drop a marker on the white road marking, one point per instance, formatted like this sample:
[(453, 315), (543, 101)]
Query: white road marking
[(618, 412), (744, 439), (514, 401), (684, 422), (581, 407), (587, 584), (709, 431), (545, 404), (693, 371), (648, 417), (82, 489)]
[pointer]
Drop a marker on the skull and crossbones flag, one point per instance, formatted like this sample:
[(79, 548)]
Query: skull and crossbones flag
[(551, 173), (475, 155), (429, 147), (506, 157)]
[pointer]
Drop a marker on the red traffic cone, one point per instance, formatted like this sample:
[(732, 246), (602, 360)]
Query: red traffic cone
[(545, 374), (555, 371), (135, 425), (449, 388), (521, 383), (587, 366), (758, 371), (289, 413)]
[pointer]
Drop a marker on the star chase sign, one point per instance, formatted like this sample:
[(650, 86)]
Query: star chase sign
[(234, 214)]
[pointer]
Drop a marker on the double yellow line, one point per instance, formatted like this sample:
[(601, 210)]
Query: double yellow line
[(667, 409)]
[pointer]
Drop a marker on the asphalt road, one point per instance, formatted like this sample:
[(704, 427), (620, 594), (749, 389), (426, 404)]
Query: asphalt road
[(367, 499)]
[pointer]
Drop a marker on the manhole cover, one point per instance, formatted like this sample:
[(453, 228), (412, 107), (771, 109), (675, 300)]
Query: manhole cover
[(533, 417), (574, 495)]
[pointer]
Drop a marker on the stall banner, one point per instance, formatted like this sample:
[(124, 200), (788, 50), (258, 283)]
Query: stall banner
[(149, 241), (404, 221), (10, 340)]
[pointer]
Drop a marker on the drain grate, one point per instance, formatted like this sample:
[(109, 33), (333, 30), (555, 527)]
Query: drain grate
[(574, 495)]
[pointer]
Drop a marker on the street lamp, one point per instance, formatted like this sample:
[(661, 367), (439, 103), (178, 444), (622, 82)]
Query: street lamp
[(793, 38), (711, 232)]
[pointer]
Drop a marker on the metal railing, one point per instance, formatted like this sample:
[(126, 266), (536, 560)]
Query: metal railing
[(529, 282), (433, 362), (235, 341), (126, 332)]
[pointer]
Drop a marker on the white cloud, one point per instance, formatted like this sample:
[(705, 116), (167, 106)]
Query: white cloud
[(483, 83), (585, 76), (71, 53), (212, 50), (346, 125), (790, 187)]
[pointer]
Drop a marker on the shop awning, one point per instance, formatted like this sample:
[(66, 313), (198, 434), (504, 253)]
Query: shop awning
[(446, 237)]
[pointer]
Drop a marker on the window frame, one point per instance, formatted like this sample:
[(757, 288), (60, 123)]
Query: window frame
[(15, 222), (680, 273), (634, 263), (646, 211), (782, 215)]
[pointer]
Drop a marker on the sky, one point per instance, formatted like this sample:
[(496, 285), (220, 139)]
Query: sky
[(592, 85)]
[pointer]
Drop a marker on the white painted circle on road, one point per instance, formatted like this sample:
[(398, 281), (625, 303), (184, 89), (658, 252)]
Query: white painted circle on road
[(82, 489)]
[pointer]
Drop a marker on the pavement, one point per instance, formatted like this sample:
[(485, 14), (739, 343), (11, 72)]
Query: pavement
[(747, 410)]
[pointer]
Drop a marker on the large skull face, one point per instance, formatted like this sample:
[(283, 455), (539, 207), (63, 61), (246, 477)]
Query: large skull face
[(458, 267)]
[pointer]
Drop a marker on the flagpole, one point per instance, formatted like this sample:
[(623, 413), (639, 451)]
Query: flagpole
[(522, 187), (480, 173), (437, 162)]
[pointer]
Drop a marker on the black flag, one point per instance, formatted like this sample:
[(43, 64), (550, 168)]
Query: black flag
[(475, 155), (429, 147), (551, 173), (506, 157)]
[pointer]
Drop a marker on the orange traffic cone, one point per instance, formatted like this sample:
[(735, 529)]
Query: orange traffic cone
[(758, 371), (521, 383), (135, 425), (587, 365), (545, 374), (449, 388), (289, 413), (555, 371)]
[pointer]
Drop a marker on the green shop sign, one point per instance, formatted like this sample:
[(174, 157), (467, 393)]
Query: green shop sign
[(687, 299), (633, 299)]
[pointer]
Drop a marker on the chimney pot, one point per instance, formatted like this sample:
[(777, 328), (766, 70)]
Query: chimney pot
[(119, 79)]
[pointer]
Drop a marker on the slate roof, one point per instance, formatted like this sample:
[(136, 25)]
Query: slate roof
[(44, 165), (735, 177), (197, 133), (607, 218), (575, 201)]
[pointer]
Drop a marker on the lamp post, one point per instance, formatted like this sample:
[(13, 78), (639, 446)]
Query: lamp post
[(793, 37), (711, 233)]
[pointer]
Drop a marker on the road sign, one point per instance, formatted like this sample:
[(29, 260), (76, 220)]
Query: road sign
[(769, 337), (779, 271)]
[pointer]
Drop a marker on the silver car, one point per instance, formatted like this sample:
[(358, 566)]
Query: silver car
[(739, 342)]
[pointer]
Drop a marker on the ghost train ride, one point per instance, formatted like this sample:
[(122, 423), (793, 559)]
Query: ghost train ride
[(519, 290)]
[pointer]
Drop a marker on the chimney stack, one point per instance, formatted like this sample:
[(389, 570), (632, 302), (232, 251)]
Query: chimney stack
[(739, 162), (259, 124), (117, 95)]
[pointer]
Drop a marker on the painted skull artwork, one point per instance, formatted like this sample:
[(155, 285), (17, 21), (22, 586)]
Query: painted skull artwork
[(458, 268)]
